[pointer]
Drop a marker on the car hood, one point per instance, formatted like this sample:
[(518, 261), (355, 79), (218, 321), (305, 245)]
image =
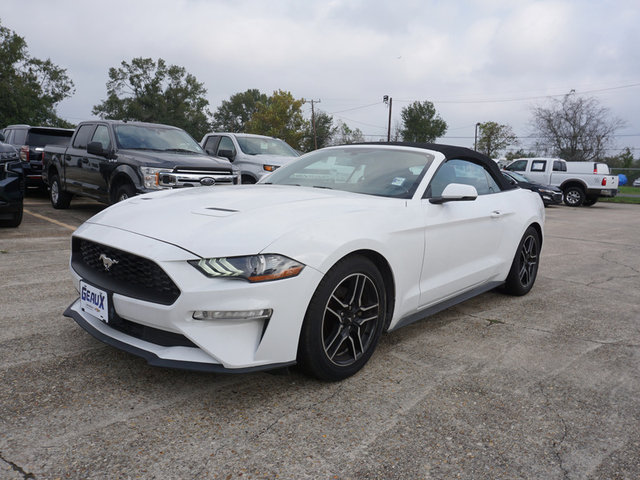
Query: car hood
[(231, 220), (151, 158)]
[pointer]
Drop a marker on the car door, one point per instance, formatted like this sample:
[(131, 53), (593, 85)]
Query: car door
[(463, 239), (537, 171), (76, 160), (97, 168)]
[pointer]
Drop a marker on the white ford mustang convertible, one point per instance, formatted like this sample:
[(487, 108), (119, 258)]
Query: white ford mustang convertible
[(309, 266)]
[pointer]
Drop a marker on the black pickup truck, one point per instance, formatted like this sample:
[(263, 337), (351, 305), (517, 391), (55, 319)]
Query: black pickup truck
[(111, 160)]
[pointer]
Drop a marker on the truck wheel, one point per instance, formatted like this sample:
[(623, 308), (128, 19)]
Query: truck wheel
[(574, 196), (247, 179), (590, 201), (59, 198), (14, 221), (123, 192)]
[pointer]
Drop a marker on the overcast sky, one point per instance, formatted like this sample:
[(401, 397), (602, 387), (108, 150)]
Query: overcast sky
[(484, 60)]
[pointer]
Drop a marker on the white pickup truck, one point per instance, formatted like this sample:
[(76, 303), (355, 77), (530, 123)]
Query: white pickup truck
[(581, 182)]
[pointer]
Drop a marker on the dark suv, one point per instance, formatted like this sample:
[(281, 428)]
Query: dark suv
[(11, 186), (30, 142)]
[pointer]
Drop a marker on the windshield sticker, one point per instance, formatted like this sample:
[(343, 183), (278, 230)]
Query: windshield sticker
[(398, 181)]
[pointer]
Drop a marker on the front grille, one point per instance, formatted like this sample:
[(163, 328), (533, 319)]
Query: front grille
[(128, 275)]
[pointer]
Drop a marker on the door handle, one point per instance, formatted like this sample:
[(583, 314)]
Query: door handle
[(496, 214)]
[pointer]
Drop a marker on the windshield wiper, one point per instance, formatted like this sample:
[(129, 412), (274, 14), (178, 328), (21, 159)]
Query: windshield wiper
[(179, 150)]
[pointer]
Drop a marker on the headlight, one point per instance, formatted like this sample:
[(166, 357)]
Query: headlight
[(254, 268), (546, 190), (154, 178)]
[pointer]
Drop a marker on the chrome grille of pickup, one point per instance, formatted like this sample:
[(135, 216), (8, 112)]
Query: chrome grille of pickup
[(128, 274), (182, 176)]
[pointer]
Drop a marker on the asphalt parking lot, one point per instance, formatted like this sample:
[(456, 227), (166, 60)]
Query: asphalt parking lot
[(545, 386)]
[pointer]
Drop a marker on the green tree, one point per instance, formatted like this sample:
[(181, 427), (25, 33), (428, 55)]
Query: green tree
[(280, 116), (519, 154), (421, 123), (325, 130), (493, 138), (575, 128), (149, 91), (233, 114), (345, 135), (30, 89), (622, 160)]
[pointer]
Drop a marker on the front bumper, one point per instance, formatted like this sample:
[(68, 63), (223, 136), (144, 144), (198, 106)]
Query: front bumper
[(212, 345)]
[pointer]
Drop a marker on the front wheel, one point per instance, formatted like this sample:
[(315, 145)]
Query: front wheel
[(344, 320), (524, 268), (124, 191)]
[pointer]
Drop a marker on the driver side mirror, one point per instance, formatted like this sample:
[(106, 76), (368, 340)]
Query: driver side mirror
[(228, 154), (456, 192), (95, 148)]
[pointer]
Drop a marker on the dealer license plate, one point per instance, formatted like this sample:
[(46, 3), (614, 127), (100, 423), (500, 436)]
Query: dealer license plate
[(94, 301)]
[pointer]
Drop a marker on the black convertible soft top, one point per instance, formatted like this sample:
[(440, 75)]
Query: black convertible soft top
[(461, 153)]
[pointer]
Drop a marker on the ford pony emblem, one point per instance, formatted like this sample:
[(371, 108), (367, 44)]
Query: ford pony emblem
[(107, 262)]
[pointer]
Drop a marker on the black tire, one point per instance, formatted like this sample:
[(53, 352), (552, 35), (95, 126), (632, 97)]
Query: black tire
[(590, 201), (247, 179), (14, 221), (59, 198), (524, 268), (574, 196), (344, 320), (123, 191)]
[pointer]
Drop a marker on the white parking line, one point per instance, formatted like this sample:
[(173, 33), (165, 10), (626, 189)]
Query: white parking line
[(42, 217)]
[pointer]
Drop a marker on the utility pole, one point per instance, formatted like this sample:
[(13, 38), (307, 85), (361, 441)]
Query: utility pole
[(313, 123), (475, 142), (388, 101)]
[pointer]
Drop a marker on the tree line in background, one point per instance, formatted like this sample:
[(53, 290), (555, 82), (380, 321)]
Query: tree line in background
[(574, 128)]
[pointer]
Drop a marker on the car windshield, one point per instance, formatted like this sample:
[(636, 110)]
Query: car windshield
[(147, 137), (518, 177), (265, 146), (387, 172)]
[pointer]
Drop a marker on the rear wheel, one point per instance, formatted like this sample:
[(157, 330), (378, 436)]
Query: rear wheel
[(524, 268), (574, 196), (344, 320), (59, 198)]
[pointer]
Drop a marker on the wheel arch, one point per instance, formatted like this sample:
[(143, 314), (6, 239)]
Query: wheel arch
[(574, 183), (121, 177), (538, 228), (384, 267)]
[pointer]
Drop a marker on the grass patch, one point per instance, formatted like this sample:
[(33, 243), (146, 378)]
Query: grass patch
[(620, 199), (629, 190)]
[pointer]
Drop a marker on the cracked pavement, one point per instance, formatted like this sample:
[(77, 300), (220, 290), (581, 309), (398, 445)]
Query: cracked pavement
[(542, 386)]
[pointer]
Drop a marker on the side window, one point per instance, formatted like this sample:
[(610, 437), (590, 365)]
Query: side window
[(19, 136), (517, 166), (102, 135), (538, 165), (8, 136), (82, 136), (465, 172), (226, 144), (211, 145), (559, 166)]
